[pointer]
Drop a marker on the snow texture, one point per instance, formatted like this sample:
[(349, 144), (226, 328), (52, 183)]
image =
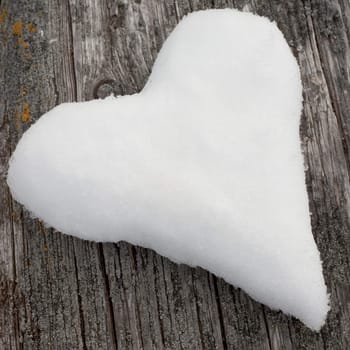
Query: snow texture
[(204, 165)]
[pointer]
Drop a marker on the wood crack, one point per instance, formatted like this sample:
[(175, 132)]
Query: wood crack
[(81, 314), (200, 327), (267, 327), (16, 321), (157, 275), (71, 37), (109, 302), (221, 318)]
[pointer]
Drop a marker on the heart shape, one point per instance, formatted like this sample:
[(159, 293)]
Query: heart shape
[(204, 165)]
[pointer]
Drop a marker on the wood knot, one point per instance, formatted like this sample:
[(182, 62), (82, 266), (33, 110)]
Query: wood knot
[(104, 88)]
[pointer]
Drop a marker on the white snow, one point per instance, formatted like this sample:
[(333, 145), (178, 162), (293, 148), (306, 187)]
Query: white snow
[(204, 165)]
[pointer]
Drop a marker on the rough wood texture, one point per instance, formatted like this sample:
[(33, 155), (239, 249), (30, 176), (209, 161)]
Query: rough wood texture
[(57, 292)]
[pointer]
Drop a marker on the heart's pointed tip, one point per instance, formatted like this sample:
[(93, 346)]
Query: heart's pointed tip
[(313, 301), (310, 310), (317, 316), (298, 289), (310, 304)]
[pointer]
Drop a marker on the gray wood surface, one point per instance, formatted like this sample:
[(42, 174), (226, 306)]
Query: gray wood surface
[(58, 292)]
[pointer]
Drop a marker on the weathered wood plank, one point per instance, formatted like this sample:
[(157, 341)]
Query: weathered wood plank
[(58, 292)]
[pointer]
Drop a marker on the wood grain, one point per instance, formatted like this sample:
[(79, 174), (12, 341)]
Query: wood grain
[(58, 292)]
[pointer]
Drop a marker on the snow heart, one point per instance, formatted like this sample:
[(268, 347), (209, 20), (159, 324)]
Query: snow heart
[(203, 165)]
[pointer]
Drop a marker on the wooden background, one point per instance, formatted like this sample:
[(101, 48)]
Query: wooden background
[(58, 292)]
